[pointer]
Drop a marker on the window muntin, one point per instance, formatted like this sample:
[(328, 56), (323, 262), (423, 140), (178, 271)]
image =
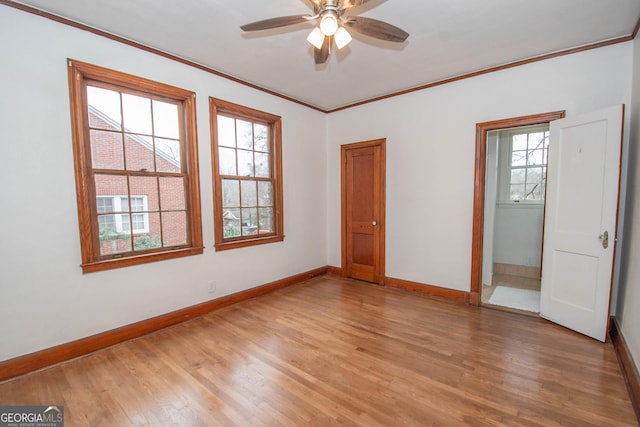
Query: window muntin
[(247, 175), (136, 168), (524, 154)]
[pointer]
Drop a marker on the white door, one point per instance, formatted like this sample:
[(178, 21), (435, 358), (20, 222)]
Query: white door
[(581, 211)]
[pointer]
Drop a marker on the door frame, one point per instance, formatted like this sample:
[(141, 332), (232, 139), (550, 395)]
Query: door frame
[(479, 188), (382, 142)]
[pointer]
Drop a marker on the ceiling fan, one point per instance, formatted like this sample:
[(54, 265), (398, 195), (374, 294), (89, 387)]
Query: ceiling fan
[(332, 26)]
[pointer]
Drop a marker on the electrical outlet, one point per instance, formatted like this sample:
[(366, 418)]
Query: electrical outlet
[(211, 286)]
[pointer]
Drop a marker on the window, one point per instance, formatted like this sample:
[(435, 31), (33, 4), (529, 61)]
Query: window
[(246, 146), (524, 158), (136, 168)]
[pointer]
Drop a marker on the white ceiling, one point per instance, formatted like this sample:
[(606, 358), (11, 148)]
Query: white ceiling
[(447, 38)]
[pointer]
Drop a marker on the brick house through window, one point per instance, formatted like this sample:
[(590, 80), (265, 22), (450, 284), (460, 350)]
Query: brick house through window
[(116, 211), (136, 163)]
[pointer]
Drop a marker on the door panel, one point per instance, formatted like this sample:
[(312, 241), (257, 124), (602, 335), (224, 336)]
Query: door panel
[(582, 202), (363, 195)]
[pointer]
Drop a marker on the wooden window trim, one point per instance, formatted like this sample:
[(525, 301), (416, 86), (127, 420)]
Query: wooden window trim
[(238, 111), (79, 73)]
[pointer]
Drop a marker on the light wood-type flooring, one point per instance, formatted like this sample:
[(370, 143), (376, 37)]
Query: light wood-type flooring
[(333, 351)]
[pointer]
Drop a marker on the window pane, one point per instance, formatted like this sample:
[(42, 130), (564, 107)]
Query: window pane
[(266, 220), (143, 242), (261, 137), (265, 193), (534, 176), (536, 157), (536, 140), (104, 108), (174, 228), (150, 239), (230, 193), (168, 156), (245, 163), (115, 243), (165, 120), (146, 186), (249, 193), (518, 158), (517, 192), (249, 221), (517, 176), (115, 185), (519, 142), (262, 165), (244, 134), (136, 113), (227, 161), (172, 195), (533, 191), (138, 152), (226, 131), (231, 223), (106, 150)]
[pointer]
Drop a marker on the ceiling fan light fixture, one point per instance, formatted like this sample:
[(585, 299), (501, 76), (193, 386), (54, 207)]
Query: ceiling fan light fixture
[(316, 38), (342, 37), (329, 23), (332, 25)]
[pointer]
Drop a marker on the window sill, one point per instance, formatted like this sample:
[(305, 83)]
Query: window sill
[(223, 246), (522, 205), (128, 261)]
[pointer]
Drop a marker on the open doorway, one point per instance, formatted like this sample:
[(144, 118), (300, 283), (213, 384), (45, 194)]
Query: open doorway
[(516, 166), (581, 204), (503, 202)]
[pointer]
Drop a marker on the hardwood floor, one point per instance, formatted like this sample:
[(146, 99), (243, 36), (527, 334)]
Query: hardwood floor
[(332, 351)]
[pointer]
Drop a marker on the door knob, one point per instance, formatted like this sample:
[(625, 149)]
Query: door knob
[(604, 239), (374, 223)]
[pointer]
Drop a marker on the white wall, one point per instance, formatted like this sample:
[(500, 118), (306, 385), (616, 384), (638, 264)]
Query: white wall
[(45, 300), (518, 234), (430, 152), (629, 297)]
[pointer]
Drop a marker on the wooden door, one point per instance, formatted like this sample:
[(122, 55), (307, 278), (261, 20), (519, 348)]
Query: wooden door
[(363, 210), (580, 220)]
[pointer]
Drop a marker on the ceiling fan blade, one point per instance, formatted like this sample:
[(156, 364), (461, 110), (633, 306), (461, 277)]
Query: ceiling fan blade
[(281, 21), (348, 4), (378, 29), (321, 55)]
